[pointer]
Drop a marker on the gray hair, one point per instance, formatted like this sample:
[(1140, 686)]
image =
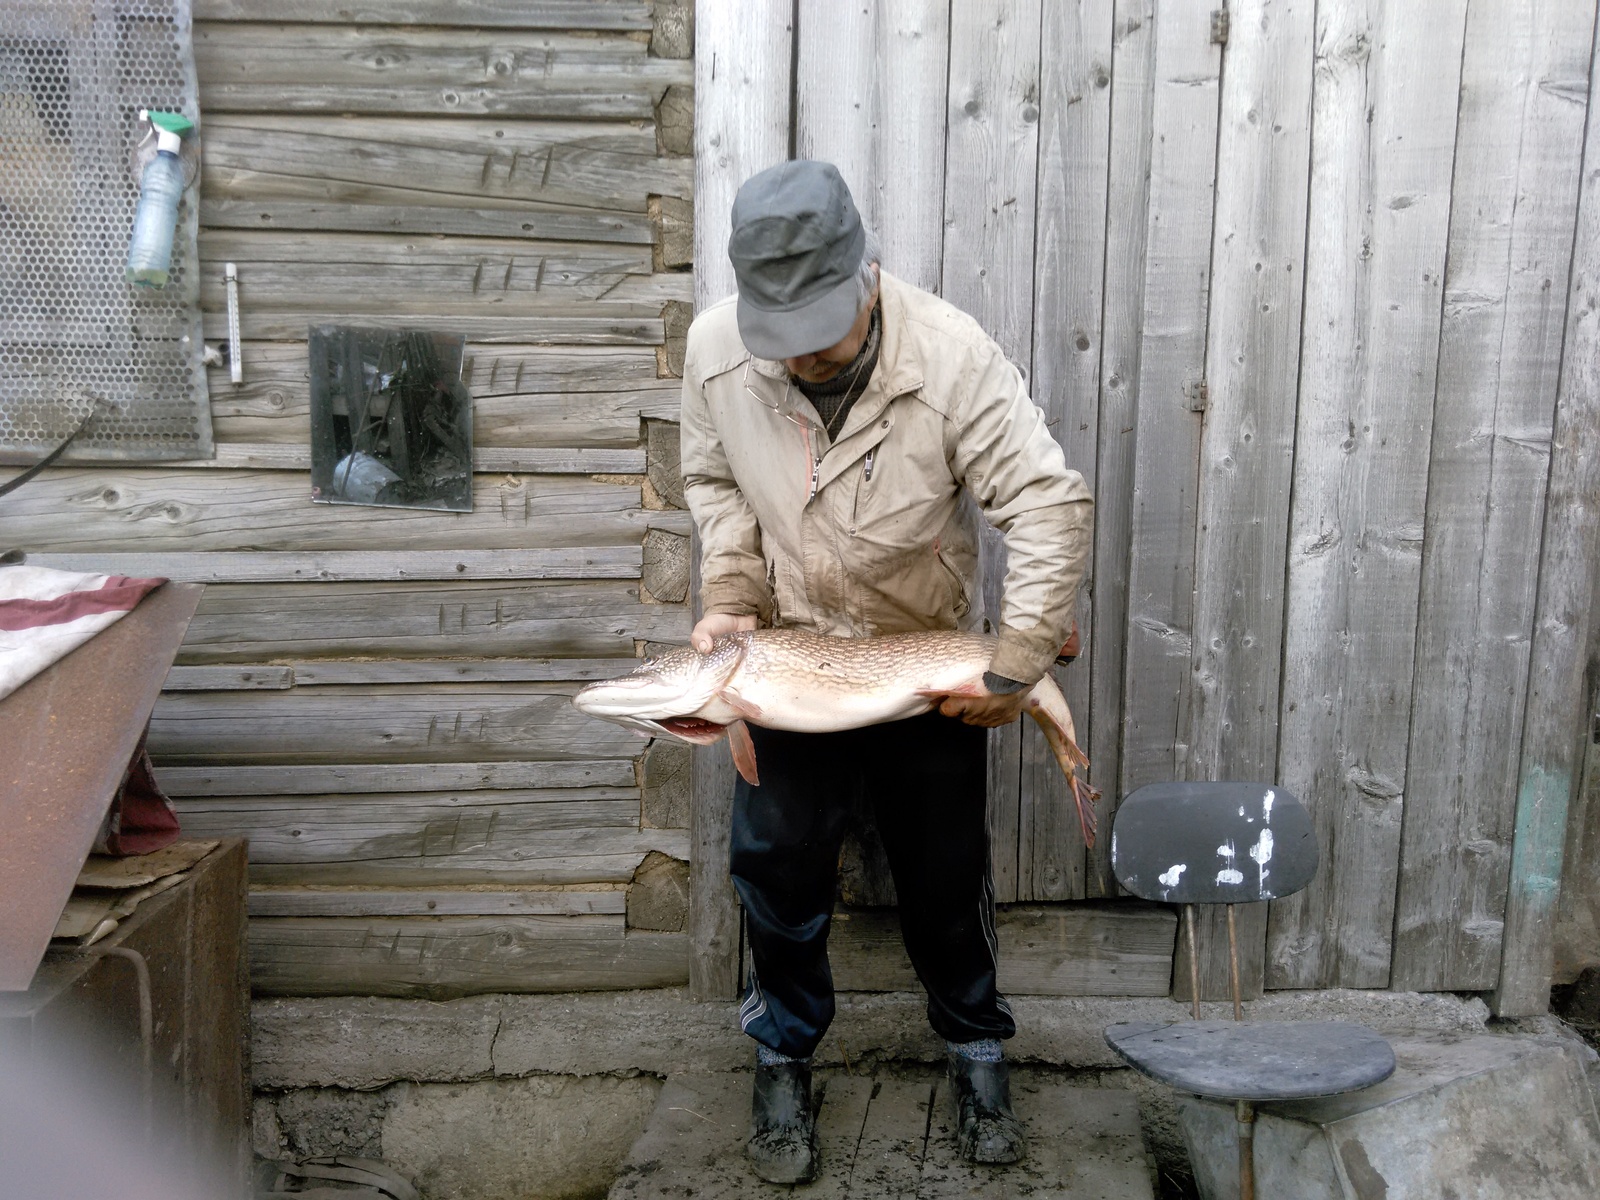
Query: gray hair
[(866, 278)]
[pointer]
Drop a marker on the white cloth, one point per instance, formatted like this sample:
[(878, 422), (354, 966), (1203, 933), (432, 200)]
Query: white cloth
[(46, 614)]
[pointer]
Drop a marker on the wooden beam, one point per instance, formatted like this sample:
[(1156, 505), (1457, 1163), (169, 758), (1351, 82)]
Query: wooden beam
[(423, 831), (486, 460), (1556, 717), (448, 722), (742, 125), (1121, 949), (358, 566), (341, 779), (431, 902), (323, 673), (516, 14), (546, 167), (619, 327), (564, 857), (443, 957), (1247, 448), (1070, 246), (335, 216), (457, 269), (333, 672), (300, 68), (74, 510), (228, 679), (1384, 112), (1523, 85), (251, 623)]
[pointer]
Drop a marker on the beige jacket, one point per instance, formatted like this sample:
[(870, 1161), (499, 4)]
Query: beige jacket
[(868, 535)]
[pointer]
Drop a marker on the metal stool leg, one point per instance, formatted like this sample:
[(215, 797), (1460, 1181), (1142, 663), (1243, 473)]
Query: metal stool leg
[(1245, 1112)]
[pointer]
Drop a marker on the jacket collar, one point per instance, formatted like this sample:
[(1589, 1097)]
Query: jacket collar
[(898, 371)]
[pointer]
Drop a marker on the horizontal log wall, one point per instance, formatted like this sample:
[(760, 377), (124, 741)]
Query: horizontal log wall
[(379, 699)]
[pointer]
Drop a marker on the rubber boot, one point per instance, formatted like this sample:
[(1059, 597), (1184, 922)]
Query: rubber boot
[(987, 1131), (783, 1127)]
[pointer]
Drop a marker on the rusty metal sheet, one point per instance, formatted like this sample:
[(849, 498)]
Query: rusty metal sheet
[(65, 740)]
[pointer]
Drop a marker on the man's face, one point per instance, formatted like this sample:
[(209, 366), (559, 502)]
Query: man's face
[(822, 365)]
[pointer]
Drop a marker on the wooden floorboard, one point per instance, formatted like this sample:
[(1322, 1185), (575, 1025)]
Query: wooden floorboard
[(891, 1137)]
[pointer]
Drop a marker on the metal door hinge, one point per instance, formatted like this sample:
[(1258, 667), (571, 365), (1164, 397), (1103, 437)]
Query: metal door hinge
[(1197, 394), (1219, 27)]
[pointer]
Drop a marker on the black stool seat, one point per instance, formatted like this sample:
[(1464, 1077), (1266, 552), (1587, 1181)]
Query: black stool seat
[(1256, 1060)]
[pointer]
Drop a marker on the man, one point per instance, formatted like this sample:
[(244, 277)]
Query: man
[(833, 417)]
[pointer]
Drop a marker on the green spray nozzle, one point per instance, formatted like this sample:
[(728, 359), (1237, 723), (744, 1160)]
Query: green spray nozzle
[(171, 128), (170, 121)]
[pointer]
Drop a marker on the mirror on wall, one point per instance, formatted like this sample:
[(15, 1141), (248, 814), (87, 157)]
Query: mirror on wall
[(391, 420)]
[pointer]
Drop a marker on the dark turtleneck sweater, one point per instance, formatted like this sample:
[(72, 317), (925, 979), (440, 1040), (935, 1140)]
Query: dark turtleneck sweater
[(834, 397)]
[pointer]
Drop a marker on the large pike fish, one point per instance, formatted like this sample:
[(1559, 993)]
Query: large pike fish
[(807, 683)]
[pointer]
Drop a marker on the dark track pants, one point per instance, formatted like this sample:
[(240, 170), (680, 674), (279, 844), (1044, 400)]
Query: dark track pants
[(925, 778)]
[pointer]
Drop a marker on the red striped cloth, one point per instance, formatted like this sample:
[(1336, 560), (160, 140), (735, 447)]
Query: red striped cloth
[(45, 614)]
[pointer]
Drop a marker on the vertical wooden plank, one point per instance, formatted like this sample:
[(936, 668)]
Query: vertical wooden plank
[(1069, 271), (1166, 348), (741, 124), (1555, 726), (742, 68), (1247, 450), (836, 100), (1384, 113), (870, 98), (1132, 94), (991, 161), (913, 39), (1523, 89)]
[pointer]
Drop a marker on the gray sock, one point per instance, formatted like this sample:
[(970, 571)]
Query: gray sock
[(768, 1057), (984, 1050)]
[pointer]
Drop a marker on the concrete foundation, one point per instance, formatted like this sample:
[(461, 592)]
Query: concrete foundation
[(550, 1091)]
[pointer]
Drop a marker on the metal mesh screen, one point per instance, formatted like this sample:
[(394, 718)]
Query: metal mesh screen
[(73, 76)]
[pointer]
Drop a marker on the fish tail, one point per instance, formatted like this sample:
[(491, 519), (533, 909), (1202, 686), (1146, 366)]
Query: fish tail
[(1049, 708)]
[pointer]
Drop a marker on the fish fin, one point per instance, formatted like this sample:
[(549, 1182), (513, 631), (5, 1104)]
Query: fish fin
[(974, 688), (747, 710), (744, 752), (1048, 707)]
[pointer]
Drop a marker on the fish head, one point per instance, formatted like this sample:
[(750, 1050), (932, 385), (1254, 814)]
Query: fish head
[(664, 694)]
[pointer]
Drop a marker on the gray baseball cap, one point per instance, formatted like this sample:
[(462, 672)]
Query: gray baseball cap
[(796, 247)]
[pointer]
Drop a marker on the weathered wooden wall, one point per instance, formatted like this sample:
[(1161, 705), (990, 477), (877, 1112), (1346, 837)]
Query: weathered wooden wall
[(1295, 284), (377, 698)]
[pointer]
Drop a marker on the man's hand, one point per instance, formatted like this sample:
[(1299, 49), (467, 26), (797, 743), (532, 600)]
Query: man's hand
[(711, 627), (988, 710)]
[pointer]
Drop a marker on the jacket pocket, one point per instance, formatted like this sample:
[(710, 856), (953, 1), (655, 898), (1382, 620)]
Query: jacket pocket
[(961, 602)]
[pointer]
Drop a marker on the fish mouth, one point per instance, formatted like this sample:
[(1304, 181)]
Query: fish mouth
[(694, 729)]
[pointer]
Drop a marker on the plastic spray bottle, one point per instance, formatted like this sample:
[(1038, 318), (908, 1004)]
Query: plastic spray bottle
[(160, 190)]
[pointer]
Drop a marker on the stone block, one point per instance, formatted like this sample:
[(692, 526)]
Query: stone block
[(664, 577), (675, 121), (557, 1139), (1494, 1118), (676, 316), (664, 461), (659, 895), (674, 222), (672, 29), (664, 803)]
